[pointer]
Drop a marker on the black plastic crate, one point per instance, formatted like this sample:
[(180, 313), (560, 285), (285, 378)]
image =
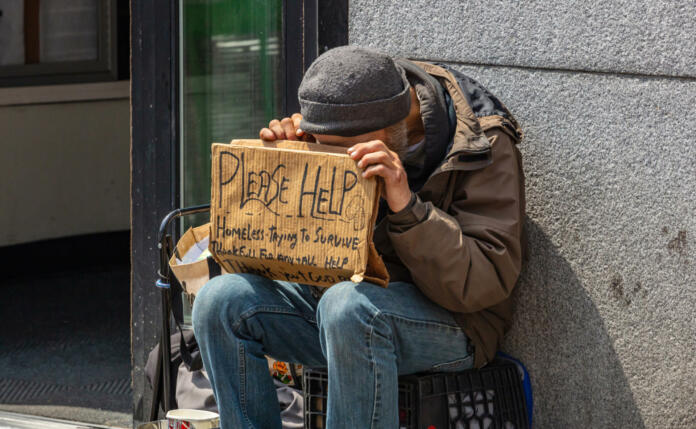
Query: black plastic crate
[(315, 382), (315, 393), (488, 398)]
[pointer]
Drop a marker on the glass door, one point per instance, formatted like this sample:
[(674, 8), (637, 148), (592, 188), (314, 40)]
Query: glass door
[(232, 80), (232, 83)]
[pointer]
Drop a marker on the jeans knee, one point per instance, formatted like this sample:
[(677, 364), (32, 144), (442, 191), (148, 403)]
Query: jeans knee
[(206, 305), (220, 301), (343, 308)]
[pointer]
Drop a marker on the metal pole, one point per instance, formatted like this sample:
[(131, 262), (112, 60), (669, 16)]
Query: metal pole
[(165, 245), (165, 347)]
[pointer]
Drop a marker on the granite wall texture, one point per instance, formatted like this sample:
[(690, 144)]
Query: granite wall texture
[(606, 93)]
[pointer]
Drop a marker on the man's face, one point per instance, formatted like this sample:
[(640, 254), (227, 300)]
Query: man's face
[(350, 141), (394, 138)]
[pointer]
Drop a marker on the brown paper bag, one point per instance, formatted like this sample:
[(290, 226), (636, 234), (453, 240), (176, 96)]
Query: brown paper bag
[(293, 211), (192, 275)]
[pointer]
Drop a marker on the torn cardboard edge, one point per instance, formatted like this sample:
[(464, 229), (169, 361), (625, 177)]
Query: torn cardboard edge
[(370, 266), (193, 275)]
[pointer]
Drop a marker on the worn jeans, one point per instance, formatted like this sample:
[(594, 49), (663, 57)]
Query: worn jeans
[(364, 334)]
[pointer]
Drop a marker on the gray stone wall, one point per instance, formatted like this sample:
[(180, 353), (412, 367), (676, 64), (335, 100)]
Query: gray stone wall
[(606, 93)]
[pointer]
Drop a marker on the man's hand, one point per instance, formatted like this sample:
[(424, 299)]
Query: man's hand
[(285, 129), (376, 159)]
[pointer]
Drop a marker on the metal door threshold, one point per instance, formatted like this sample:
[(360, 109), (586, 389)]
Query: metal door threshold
[(26, 421)]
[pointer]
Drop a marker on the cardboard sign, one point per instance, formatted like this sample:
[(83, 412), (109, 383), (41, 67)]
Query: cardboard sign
[(293, 211), (188, 261)]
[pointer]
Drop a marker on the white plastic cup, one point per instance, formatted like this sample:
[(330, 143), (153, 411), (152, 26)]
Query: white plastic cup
[(192, 419)]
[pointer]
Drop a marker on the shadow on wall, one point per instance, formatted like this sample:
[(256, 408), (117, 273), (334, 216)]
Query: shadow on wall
[(559, 334)]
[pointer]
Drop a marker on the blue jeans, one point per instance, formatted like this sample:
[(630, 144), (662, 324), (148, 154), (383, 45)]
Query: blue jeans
[(364, 334)]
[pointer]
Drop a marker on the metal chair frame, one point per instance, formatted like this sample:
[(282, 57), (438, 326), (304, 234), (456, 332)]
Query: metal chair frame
[(162, 383)]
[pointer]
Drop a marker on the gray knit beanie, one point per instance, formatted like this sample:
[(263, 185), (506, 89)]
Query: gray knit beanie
[(349, 91)]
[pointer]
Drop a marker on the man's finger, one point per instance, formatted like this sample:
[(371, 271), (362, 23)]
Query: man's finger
[(359, 150), (299, 132), (379, 157), (288, 128), (377, 170), (370, 146), (266, 134), (277, 129), (296, 119)]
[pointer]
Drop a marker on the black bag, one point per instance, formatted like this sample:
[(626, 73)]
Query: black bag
[(185, 359)]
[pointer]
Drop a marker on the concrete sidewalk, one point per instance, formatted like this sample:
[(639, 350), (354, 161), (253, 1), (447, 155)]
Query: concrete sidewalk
[(23, 421), (65, 347)]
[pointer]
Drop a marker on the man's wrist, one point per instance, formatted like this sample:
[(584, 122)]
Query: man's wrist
[(402, 202), (414, 212), (409, 204)]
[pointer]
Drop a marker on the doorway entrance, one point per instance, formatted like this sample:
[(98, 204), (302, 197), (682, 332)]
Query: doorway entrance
[(204, 72)]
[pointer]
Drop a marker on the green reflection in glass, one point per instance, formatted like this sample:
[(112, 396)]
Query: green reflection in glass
[(232, 82)]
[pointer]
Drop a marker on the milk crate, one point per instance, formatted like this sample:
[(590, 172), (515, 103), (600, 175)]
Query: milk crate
[(487, 398)]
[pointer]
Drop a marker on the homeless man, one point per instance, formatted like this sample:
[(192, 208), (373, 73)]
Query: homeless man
[(449, 234)]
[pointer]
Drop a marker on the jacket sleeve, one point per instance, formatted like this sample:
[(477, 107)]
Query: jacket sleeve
[(468, 258)]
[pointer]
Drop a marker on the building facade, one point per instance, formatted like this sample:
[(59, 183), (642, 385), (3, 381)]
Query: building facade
[(604, 92)]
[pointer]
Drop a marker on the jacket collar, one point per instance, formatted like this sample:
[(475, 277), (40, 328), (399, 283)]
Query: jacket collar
[(434, 114), (470, 148)]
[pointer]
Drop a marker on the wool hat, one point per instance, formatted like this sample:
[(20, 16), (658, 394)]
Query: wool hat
[(349, 91)]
